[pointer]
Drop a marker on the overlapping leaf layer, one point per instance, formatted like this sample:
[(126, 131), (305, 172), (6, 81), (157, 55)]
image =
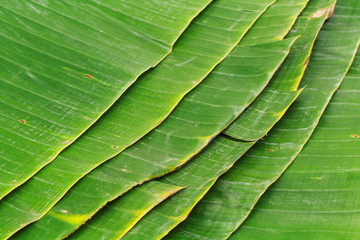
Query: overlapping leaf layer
[(172, 119)]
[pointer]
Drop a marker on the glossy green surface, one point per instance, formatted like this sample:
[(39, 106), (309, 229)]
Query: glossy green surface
[(208, 84), (198, 175), (262, 115), (64, 63), (50, 180), (318, 195), (177, 217), (183, 134), (275, 23), (281, 91), (231, 199), (120, 217), (218, 157), (171, 213)]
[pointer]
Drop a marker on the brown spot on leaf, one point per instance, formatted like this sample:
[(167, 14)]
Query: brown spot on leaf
[(22, 121), (331, 11), (88, 76), (278, 148), (321, 12), (354, 136), (307, 61), (269, 150), (114, 147)]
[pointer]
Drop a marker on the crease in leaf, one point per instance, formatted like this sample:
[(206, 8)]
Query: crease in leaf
[(59, 105), (142, 228), (240, 187), (262, 115), (159, 213), (182, 217), (285, 80), (139, 158), (167, 209), (269, 152), (70, 159), (315, 183), (265, 31), (122, 216), (198, 178)]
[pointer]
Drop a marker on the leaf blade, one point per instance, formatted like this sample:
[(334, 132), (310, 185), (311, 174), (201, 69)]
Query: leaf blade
[(51, 176), (316, 186), (270, 164), (49, 57), (127, 212), (177, 207)]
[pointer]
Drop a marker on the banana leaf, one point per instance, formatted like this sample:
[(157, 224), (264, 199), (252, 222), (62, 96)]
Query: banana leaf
[(60, 72), (175, 210), (55, 221), (127, 212), (259, 24), (39, 194), (183, 134), (268, 108), (317, 196), (275, 23), (198, 175), (217, 162), (233, 196), (263, 114)]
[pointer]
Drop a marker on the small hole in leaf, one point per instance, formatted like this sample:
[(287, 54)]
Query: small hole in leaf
[(88, 76), (22, 121)]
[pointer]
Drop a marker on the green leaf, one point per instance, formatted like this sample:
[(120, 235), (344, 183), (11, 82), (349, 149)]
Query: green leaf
[(190, 132), (118, 219), (281, 91), (143, 155), (268, 65), (198, 175), (39, 194), (317, 196), (239, 85), (172, 212), (63, 64), (231, 199), (284, 13), (262, 115), (176, 219)]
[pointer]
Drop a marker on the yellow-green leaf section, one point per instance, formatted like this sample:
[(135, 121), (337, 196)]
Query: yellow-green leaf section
[(118, 219)]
